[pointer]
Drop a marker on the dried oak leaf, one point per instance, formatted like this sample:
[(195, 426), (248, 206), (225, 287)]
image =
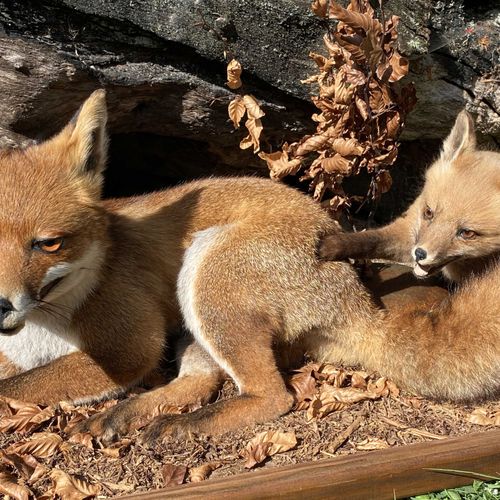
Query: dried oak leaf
[(40, 445), (233, 74), (173, 475), (202, 472), (236, 111), (11, 489), (320, 7), (266, 444), (70, 487)]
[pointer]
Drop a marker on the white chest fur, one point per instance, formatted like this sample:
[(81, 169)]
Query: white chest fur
[(36, 345)]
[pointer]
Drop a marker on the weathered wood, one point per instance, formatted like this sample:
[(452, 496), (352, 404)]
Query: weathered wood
[(387, 474)]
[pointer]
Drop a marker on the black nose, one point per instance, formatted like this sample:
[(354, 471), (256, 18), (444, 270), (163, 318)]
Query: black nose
[(420, 254), (5, 307)]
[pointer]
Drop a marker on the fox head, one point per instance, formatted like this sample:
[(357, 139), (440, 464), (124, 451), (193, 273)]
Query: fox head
[(52, 227), (458, 212)]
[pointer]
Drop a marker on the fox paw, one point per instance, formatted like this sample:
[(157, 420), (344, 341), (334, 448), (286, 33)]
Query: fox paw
[(163, 428), (335, 247), (110, 425)]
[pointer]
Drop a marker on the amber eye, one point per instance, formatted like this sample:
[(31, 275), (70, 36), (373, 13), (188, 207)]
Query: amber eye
[(428, 213), (51, 245), (466, 234)]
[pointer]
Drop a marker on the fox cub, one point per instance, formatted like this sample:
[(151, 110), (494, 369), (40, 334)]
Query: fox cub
[(89, 290), (453, 226)]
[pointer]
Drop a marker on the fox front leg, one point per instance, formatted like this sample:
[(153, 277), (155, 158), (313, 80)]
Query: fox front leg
[(72, 377)]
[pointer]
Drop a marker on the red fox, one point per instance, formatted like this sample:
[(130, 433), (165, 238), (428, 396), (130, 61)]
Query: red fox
[(453, 226), (89, 290)]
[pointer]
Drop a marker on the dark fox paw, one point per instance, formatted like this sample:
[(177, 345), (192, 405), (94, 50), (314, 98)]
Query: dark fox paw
[(334, 247), (163, 428), (110, 425)]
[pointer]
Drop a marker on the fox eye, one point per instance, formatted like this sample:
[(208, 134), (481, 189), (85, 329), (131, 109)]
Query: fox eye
[(50, 245), (466, 234), (428, 213)]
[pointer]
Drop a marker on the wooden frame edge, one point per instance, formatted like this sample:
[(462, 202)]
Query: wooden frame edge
[(387, 474)]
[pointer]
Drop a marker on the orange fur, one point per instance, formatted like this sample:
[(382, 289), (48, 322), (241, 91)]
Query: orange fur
[(235, 260), (462, 192)]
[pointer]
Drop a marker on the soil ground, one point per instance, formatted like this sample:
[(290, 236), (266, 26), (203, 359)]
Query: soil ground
[(391, 418)]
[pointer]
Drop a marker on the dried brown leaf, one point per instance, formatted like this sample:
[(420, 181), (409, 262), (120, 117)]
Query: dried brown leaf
[(320, 7), (266, 444), (233, 74), (369, 444), (480, 416), (83, 438), (40, 445), (253, 107), (347, 147), (354, 19), (72, 488), (236, 111), (27, 417), (11, 489), (337, 164), (254, 128), (303, 386), (311, 143), (279, 164), (202, 472), (173, 475)]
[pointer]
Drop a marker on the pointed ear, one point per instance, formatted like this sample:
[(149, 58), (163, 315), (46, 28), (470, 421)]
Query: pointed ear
[(462, 137), (88, 137)]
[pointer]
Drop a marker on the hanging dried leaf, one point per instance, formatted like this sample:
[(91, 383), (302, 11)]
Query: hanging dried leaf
[(233, 74), (236, 111), (320, 7), (354, 19), (253, 108), (173, 475), (337, 164), (279, 164), (72, 488), (254, 128)]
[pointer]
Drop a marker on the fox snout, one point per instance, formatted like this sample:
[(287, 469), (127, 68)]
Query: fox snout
[(11, 320)]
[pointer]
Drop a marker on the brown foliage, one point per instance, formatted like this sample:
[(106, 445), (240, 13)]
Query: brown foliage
[(362, 108)]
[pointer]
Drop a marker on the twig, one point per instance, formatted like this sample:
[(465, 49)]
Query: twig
[(345, 434)]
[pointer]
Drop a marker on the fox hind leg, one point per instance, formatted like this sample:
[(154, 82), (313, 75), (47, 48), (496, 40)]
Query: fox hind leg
[(198, 382)]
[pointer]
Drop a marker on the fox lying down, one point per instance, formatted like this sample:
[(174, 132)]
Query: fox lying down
[(89, 288)]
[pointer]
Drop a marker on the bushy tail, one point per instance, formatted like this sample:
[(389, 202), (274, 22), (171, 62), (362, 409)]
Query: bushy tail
[(449, 352)]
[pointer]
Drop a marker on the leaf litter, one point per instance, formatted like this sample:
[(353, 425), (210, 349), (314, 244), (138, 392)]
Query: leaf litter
[(337, 411)]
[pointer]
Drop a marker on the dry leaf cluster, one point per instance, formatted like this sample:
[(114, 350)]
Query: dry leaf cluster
[(361, 108), (323, 388)]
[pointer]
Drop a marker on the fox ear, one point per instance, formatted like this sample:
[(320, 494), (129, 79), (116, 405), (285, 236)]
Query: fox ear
[(462, 137), (87, 135)]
